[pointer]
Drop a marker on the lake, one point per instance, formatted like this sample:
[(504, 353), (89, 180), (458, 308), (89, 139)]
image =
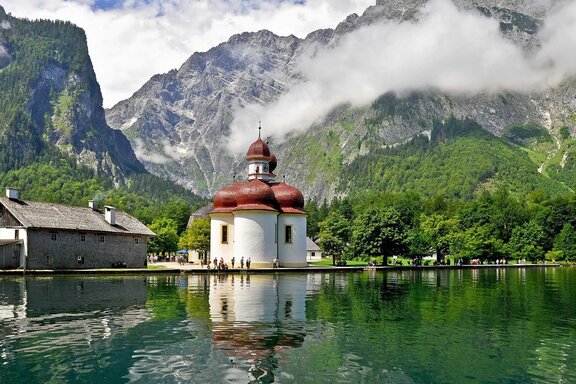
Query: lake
[(497, 325)]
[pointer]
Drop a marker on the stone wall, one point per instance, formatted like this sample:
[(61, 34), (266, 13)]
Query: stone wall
[(51, 249)]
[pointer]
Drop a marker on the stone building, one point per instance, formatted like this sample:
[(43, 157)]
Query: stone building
[(36, 235), (260, 218)]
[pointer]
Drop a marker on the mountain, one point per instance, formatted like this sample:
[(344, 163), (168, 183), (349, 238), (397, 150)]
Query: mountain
[(55, 144), (177, 121), (51, 103)]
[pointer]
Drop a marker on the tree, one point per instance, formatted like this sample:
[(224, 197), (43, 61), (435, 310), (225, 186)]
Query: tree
[(179, 210), (379, 232), (166, 239), (526, 242), (475, 242), (566, 242), (314, 219), (197, 236), (334, 235), (439, 230)]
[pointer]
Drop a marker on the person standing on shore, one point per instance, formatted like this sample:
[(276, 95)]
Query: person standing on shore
[(233, 261), (248, 262), (242, 262)]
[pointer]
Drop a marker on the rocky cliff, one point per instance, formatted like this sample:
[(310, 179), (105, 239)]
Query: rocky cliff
[(51, 103), (177, 121)]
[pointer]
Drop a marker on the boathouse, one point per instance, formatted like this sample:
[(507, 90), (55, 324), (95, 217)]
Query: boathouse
[(36, 235)]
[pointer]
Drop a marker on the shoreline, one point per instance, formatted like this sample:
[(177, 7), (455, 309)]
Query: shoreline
[(174, 268)]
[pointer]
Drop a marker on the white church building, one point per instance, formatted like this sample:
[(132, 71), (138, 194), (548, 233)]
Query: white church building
[(260, 219)]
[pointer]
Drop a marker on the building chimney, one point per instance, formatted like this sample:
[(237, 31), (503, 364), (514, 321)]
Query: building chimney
[(92, 205), (110, 214), (12, 193)]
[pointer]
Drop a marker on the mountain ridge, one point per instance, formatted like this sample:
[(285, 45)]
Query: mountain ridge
[(177, 121)]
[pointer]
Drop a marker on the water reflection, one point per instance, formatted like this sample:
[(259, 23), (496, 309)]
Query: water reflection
[(255, 319), (496, 325)]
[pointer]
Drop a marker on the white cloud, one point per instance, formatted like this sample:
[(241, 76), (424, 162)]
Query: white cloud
[(458, 52), (148, 156), (130, 44)]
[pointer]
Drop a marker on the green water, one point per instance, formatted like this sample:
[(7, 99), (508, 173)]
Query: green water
[(450, 326)]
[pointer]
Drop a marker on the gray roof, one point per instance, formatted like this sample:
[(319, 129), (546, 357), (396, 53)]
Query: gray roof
[(311, 245), (200, 213), (33, 214)]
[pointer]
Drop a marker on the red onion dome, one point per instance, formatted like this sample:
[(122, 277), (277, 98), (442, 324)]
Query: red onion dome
[(258, 151), (255, 194), (289, 198), (273, 163), (225, 198)]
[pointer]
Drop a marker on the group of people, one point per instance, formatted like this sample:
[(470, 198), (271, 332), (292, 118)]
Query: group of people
[(222, 266)]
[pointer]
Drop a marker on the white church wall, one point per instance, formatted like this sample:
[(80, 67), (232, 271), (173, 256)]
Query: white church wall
[(254, 231), (218, 248), (293, 253)]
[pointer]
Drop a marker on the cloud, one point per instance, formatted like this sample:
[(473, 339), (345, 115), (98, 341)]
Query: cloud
[(132, 40), (453, 51), (146, 155)]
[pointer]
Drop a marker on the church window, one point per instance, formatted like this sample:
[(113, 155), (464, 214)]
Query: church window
[(288, 234), (224, 235)]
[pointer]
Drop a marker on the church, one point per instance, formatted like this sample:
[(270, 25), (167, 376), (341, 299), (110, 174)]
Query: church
[(260, 218)]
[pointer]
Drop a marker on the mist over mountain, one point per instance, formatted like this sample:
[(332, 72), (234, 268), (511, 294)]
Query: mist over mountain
[(349, 95)]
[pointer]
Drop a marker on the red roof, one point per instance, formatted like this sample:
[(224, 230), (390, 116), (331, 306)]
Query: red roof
[(258, 151), (225, 198), (255, 194), (288, 198), (258, 195)]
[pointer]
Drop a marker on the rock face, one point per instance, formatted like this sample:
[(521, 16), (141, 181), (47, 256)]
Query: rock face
[(55, 105), (177, 121)]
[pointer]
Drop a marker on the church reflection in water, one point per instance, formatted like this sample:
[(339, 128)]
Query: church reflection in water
[(256, 318)]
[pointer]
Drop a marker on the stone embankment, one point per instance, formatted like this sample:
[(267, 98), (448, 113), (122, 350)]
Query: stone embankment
[(174, 267)]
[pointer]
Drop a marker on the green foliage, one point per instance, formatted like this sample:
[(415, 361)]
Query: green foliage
[(564, 132), (459, 161), (520, 133), (475, 243), (379, 233), (40, 52), (334, 235), (527, 242), (166, 239), (197, 236), (55, 181), (489, 226), (566, 242), (438, 231), (60, 180)]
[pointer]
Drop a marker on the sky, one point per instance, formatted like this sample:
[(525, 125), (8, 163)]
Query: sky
[(132, 40), (447, 50)]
